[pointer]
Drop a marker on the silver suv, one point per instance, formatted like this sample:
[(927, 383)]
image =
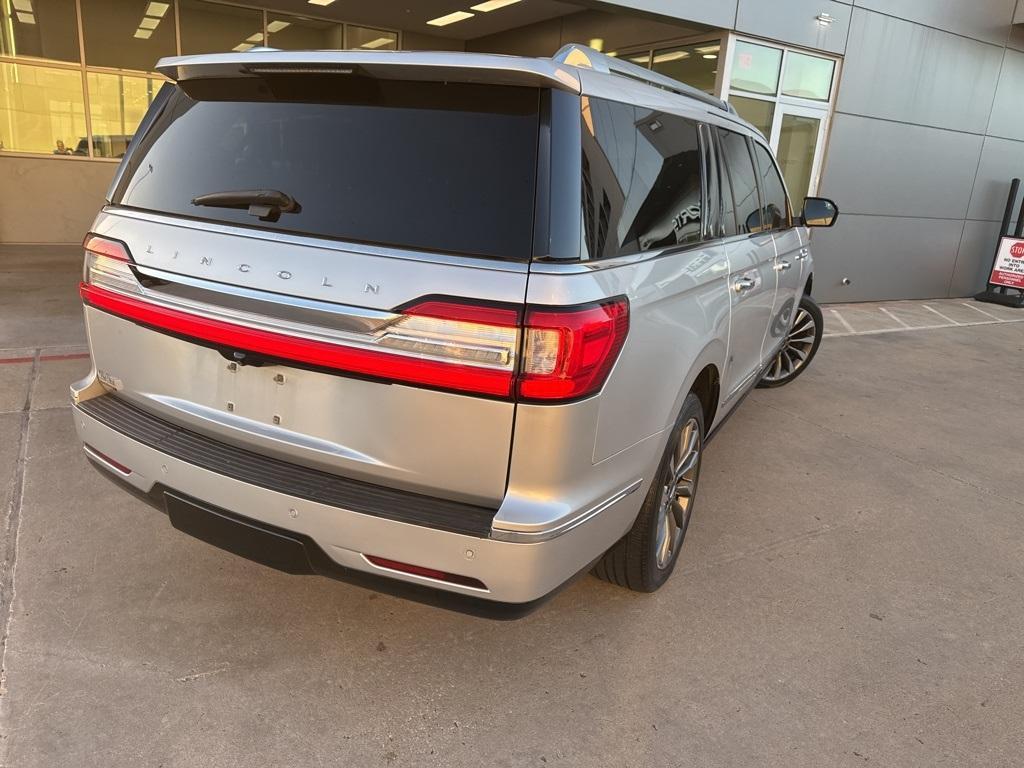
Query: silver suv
[(447, 324)]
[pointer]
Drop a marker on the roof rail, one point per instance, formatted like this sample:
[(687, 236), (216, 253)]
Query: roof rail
[(577, 55)]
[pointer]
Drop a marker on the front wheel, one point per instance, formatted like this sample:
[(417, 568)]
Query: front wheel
[(643, 559), (800, 346)]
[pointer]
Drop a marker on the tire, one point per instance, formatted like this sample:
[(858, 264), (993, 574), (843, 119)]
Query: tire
[(801, 346), (644, 558)]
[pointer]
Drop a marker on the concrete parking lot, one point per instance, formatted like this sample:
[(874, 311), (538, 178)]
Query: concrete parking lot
[(851, 591)]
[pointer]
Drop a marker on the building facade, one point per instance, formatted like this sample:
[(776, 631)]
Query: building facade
[(909, 113)]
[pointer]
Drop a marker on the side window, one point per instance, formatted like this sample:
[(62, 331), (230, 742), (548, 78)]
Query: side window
[(641, 179), (728, 206), (743, 180), (776, 213)]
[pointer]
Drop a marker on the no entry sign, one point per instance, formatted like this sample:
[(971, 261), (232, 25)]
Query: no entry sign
[(1008, 269)]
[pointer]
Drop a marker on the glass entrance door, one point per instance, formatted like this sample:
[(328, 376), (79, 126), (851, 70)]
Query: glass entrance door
[(798, 136)]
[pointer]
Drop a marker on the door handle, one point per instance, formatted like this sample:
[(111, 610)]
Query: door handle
[(802, 254), (782, 266), (742, 284)]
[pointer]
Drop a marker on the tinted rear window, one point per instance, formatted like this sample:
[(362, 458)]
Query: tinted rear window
[(429, 166)]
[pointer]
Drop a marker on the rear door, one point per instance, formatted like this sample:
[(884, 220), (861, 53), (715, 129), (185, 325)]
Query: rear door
[(778, 218), (350, 258), (751, 253)]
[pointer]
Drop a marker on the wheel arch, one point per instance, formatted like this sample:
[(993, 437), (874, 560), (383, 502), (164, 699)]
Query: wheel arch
[(705, 380)]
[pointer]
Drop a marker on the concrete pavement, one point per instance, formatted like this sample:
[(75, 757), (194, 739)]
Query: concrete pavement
[(851, 593)]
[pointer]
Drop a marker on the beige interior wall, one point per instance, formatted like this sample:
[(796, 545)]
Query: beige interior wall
[(50, 200)]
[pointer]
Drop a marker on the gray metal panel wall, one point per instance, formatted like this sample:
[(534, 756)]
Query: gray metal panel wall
[(985, 20), (903, 71), (920, 184), (796, 23), (885, 257), (1008, 110), (1001, 160), (895, 169)]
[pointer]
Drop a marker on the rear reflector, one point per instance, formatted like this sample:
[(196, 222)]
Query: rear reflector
[(104, 459), (430, 573), (456, 345)]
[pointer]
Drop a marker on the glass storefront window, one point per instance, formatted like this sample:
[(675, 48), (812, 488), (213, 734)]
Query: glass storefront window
[(371, 39), (117, 104), (695, 65), (293, 33), (127, 35), (214, 28), (42, 109), (755, 68), (44, 29), (757, 112), (807, 77)]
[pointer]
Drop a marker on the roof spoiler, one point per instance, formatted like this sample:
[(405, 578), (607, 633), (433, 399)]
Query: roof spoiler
[(577, 55)]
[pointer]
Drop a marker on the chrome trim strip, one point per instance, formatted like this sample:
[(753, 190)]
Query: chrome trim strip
[(432, 257), (373, 336), (95, 456), (279, 306), (563, 526)]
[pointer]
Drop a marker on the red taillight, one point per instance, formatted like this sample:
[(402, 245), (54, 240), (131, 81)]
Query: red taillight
[(430, 573), (568, 353), (554, 354), (366, 362)]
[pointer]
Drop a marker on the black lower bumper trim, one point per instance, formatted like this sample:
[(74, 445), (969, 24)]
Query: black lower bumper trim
[(285, 477), (297, 553)]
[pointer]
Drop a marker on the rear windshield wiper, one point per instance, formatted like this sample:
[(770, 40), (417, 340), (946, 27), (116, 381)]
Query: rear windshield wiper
[(268, 204)]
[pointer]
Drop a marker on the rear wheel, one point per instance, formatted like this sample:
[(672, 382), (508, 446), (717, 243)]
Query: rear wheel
[(800, 347), (643, 559)]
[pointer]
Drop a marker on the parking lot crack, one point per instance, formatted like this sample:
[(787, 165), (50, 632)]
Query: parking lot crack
[(11, 529)]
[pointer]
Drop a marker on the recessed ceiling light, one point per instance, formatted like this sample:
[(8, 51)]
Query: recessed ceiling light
[(492, 5), (25, 18), (148, 23), (377, 43), (143, 34), (451, 18), (257, 38), (710, 56), (596, 43), (708, 48), (23, 5), (661, 58), (242, 47), (319, 2), (157, 9), (277, 26)]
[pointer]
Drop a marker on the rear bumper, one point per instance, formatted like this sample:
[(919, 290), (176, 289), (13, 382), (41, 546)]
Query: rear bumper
[(299, 534)]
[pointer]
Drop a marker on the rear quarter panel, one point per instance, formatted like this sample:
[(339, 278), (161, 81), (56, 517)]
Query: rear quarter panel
[(678, 323)]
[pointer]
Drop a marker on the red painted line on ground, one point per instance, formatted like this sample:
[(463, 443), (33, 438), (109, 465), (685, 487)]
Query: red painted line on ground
[(75, 356), (7, 360)]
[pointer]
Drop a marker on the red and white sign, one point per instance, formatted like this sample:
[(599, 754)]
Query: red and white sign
[(1009, 267)]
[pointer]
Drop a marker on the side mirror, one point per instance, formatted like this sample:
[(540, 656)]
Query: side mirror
[(819, 212)]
